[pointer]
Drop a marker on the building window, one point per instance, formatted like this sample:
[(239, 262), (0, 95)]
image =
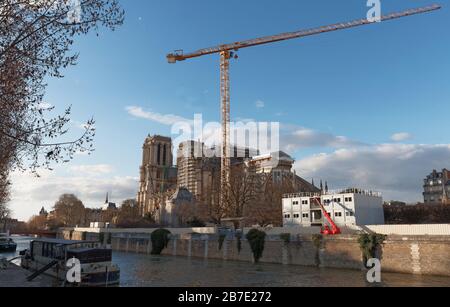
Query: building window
[(348, 199), (304, 202), (306, 215), (350, 213), (287, 216), (295, 203), (159, 154), (338, 214), (164, 155), (337, 200), (296, 216)]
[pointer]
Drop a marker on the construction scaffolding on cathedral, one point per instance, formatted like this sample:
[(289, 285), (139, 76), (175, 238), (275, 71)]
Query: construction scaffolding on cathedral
[(176, 196)]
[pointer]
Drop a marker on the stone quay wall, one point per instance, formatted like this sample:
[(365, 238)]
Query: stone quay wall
[(427, 255)]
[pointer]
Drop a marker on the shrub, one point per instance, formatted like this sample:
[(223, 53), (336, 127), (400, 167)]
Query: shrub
[(160, 240), (221, 240), (195, 222), (369, 244), (256, 238), (286, 237), (239, 242), (317, 241)]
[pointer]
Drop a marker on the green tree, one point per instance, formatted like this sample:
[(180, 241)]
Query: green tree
[(160, 240), (257, 239)]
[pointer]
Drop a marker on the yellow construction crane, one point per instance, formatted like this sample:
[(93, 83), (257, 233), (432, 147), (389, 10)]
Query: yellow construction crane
[(227, 51)]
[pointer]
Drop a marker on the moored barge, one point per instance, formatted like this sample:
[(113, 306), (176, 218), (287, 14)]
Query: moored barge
[(51, 256)]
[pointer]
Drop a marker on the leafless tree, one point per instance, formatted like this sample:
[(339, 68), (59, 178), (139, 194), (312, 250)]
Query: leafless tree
[(266, 207), (210, 209), (70, 211), (129, 214), (242, 190), (37, 222), (4, 215), (35, 43), (4, 188)]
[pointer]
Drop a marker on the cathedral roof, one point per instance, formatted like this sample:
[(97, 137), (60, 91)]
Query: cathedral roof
[(181, 195)]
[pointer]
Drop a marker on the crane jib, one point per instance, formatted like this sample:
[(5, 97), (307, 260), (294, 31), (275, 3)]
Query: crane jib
[(174, 57)]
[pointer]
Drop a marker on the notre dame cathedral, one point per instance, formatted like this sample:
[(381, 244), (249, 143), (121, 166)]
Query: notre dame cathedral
[(164, 188), (157, 173)]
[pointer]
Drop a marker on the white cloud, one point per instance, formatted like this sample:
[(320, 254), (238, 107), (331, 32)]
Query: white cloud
[(397, 170), (92, 170), (80, 125), (299, 138), (260, 104), (291, 139), (401, 136), (164, 119), (245, 120), (45, 106), (29, 193)]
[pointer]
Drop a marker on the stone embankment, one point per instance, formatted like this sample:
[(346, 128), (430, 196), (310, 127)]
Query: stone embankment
[(410, 254)]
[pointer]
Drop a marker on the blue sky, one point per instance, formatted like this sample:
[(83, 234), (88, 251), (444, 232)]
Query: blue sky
[(365, 106)]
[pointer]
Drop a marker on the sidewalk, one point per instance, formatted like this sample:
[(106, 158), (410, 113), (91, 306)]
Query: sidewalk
[(15, 277)]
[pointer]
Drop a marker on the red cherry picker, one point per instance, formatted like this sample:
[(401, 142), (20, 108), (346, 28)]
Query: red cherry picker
[(326, 230)]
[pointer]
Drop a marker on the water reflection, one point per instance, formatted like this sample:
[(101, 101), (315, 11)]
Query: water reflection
[(149, 271)]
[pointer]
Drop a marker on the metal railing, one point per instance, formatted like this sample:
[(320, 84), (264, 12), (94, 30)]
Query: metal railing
[(334, 192), (302, 194)]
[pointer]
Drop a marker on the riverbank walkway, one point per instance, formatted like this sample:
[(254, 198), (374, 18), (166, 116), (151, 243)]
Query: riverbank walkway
[(16, 277)]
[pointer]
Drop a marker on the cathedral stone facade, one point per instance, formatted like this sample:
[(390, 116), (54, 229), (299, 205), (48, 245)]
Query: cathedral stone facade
[(168, 193), (157, 173)]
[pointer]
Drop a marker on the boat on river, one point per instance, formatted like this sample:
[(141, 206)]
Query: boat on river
[(51, 257), (7, 245)]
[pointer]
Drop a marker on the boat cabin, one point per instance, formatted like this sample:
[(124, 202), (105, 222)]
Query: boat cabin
[(85, 251)]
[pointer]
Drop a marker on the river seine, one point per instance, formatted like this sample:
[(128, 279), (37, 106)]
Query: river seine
[(150, 271)]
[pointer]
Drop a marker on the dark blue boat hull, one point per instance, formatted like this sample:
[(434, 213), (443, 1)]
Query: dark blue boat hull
[(8, 248)]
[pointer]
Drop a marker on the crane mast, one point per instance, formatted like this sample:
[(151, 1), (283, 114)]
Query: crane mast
[(225, 104), (226, 52)]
